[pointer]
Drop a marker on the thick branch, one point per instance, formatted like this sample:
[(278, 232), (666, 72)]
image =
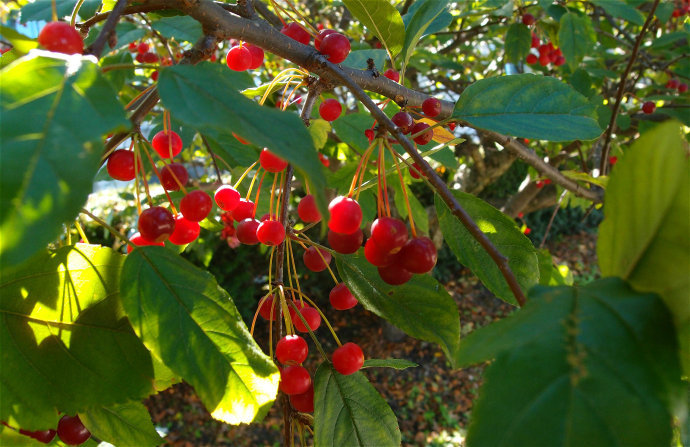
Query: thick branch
[(96, 48)]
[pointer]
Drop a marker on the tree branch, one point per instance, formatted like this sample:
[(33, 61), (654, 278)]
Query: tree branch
[(96, 48)]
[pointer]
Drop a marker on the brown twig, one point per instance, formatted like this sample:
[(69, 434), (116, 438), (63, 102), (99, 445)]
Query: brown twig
[(96, 48), (213, 157)]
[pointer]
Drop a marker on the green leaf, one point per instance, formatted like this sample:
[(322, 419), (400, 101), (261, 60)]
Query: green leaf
[(65, 335), (358, 59), (382, 19), (205, 97), (348, 411), (579, 176), (54, 111), (550, 274), (319, 130), (43, 10), (425, 12), (644, 235), (180, 28), (350, 129), (165, 296), (528, 106), (419, 214), (20, 43), (118, 77), (421, 307), (620, 9), (231, 151), (399, 364), (122, 424), (577, 367), (518, 42), (576, 38), (502, 232)]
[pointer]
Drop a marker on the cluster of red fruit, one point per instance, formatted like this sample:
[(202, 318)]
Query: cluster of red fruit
[(675, 84), (144, 55), (547, 53), (681, 9), (70, 430)]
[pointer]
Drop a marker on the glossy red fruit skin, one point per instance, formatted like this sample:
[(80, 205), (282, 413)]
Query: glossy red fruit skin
[(335, 47), (196, 205), (341, 298), (163, 141), (185, 231), (348, 359), (243, 210), (149, 58), (227, 198), (415, 173), (424, 138), (330, 109), (369, 133), (404, 122), (303, 402), (544, 59), (682, 87), (394, 274), (312, 317), (392, 75), (246, 231), (294, 379), (535, 41), (170, 173), (315, 262), (673, 84), (345, 243), (257, 56), (71, 430), (345, 215), (156, 224), (648, 107), (142, 48), (418, 255), (239, 58), (270, 232), (138, 240), (271, 162), (60, 37), (528, 19), (389, 233), (121, 165), (307, 210), (44, 436), (431, 107), (319, 38), (291, 348), (532, 59), (296, 32), (376, 255), (265, 309)]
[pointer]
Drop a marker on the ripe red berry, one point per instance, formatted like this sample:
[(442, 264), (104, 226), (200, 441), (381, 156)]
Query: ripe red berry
[(291, 348), (294, 379), (303, 402), (613, 160), (132, 47), (535, 41), (528, 19), (330, 109), (185, 231), (376, 255), (673, 84), (348, 359), (239, 58), (295, 31), (71, 430), (196, 205), (451, 126), (392, 75), (404, 122), (271, 162), (335, 47), (138, 240), (142, 48), (243, 210), (266, 307), (341, 298), (345, 243), (389, 233), (307, 209), (416, 171), (310, 315), (544, 59), (154, 76), (257, 56), (369, 133), (167, 144), (418, 255), (60, 37), (173, 175), (560, 60), (324, 160), (648, 107), (121, 165), (246, 231), (431, 107), (315, 262), (319, 38), (682, 87), (270, 232), (531, 59), (156, 224), (424, 138), (227, 198), (394, 274), (149, 58), (345, 215)]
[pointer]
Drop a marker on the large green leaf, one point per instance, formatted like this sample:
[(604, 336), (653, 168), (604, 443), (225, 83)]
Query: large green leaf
[(349, 129), (518, 42), (421, 307), (65, 343), (127, 424), (358, 59), (576, 37), (419, 214), (382, 19), (529, 106), (348, 411), (180, 28), (502, 232), (425, 12), (619, 8), (20, 43), (166, 298), (644, 235), (54, 111), (205, 97), (589, 366)]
